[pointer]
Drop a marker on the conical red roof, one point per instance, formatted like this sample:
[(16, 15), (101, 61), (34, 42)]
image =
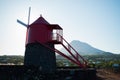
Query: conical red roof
[(40, 20)]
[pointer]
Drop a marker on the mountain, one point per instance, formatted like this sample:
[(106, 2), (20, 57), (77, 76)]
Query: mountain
[(84, 49)]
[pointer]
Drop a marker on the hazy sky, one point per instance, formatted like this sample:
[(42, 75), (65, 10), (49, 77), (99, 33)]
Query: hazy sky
[(96, 22)]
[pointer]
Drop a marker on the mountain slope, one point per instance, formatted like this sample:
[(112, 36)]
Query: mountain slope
[(84, 48)]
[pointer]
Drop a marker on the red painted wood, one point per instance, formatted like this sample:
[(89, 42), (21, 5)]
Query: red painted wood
[(40, 31)]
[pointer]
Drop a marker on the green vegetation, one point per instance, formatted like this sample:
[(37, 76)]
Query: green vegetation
[(103, 61), (11, 60), (98, 61)]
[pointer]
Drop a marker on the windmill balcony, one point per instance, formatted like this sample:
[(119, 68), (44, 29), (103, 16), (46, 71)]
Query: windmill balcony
[(56, 38)]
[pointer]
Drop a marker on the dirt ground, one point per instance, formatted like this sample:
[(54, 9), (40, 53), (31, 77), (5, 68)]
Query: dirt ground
[(107, 75)]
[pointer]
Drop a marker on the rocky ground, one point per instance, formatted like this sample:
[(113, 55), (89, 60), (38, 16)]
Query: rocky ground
[(107, 75)]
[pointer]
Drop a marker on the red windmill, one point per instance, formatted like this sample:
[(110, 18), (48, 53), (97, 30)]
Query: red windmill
[(40, 41)]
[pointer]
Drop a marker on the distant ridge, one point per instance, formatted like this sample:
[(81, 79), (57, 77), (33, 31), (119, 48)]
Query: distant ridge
[(85, 49)]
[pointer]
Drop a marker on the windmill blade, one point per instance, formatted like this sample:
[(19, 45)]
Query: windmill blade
[(29, 15), (22, 23)]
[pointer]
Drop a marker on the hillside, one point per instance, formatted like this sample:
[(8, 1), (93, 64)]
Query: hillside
[(84, 49)]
